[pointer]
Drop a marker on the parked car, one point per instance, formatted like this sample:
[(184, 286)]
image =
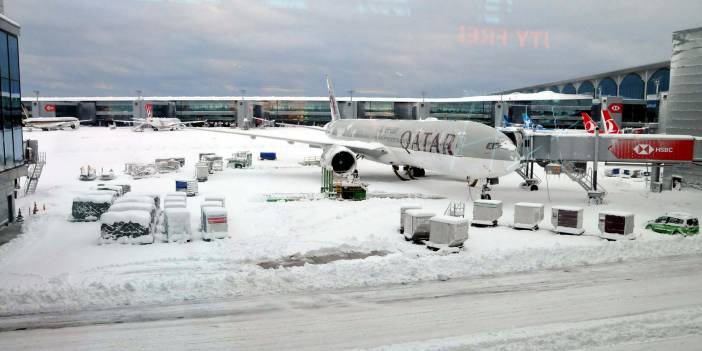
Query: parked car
[(675, 223)]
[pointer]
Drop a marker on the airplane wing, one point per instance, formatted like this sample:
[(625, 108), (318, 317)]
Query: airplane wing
[(191, 123), (118, 121), (321, 140)]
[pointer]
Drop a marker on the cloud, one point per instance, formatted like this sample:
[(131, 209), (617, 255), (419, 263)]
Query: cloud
[(381, 47)]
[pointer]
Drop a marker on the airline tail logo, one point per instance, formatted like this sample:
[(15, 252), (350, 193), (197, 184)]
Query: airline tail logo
[(610, 126), (332, 101), (149, 111), (588, 123)]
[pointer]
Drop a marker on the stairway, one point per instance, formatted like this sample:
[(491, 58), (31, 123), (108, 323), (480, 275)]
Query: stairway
[(584, 178), (528, 182), (33, 174)]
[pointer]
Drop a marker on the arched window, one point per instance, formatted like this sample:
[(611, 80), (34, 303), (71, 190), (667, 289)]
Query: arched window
[(568, 89), (607, 87), (586, 88), (663, 77), (632, 87)]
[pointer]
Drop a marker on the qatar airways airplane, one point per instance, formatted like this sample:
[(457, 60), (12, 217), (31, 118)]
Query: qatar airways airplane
[(462, 150)]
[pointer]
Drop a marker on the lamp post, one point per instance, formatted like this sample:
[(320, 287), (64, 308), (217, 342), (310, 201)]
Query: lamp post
[(139, 102)]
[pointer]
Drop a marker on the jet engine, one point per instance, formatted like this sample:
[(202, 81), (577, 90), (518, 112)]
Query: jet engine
[(340, 159)]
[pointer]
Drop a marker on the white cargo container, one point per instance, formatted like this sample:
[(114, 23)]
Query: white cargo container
[(215, 199), (616, 225), (567, 219), (486, 212), (404, 209), (202, 170), (528, 215), (215, 223), (417, 224), (174, 204), (177, 224), (447, 231), (191, 190)]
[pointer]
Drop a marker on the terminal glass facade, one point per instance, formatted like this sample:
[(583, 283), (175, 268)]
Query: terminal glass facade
[(564, 114), (478, 111), (297, 112), (11, 109)]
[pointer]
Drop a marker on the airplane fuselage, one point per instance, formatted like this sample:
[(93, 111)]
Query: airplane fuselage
[(48, 123), (458, 149)]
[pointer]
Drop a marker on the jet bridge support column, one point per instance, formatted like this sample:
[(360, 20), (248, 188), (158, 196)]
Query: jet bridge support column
[(594, 166)]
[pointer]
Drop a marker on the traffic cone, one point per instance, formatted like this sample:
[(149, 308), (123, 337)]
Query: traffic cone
[(19, 218), (44, 208), (35, 210)]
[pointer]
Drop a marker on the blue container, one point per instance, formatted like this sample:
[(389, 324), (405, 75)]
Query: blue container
[(181, 185), (267, 156)]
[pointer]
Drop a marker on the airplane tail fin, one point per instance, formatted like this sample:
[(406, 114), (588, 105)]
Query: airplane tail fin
[(332, 101), (610, 125), (505, 121), (527, 121), (589, 124)]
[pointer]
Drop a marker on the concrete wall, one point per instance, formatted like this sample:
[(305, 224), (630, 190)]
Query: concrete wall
[(683, 109)]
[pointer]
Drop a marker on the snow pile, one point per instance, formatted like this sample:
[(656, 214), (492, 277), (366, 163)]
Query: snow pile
[(639, 329), (177, 224), (182, 279)]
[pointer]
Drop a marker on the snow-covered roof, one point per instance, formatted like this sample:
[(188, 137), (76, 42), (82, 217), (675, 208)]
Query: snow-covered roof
[(540, 96), (95, 198), (487, 202), (450, 219), (214, 211), (129, 206), (529, 204), (617, 213), (681, 215), (420, 213), (142, 218), (567, 208)]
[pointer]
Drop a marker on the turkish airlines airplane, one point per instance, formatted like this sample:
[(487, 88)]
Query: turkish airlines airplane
[(611, 127), (463, 150)]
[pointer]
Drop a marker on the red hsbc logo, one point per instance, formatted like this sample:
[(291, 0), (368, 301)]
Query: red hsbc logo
[(616, 108), (652, 149), (643, 149), (50, 108)]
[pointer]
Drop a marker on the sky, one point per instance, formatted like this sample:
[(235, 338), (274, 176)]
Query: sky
[(404, 48)]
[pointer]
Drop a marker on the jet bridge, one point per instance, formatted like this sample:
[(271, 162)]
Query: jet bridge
[(573, 149)]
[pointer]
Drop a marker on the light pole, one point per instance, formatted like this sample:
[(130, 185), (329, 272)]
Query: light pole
[(36, 104), (139, 102), (351, 104)]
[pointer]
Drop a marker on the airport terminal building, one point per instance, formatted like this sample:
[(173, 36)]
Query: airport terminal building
[(12, 162), (664, 96)]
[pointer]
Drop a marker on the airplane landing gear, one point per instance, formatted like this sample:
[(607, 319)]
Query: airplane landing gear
[(408, 172), (395, 169)]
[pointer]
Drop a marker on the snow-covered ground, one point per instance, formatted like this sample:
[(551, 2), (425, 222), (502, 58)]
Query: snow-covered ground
[(57, 265)]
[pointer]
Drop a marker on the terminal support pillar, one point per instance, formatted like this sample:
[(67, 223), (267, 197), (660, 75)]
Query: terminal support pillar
[(597, 151)]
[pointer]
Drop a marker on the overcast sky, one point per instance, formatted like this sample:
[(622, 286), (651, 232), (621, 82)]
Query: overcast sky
[(445, 48)]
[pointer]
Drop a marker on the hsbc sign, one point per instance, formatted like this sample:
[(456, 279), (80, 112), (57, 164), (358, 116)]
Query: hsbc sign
[(652, 149), (643, 149)]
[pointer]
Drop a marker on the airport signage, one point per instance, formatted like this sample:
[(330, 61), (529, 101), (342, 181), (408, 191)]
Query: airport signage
[(652, 149), (50, 108)]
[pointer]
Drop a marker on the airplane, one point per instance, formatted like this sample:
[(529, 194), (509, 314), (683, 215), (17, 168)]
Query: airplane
[(611, 127), (156, 124), (463, 150), (53, 123)]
